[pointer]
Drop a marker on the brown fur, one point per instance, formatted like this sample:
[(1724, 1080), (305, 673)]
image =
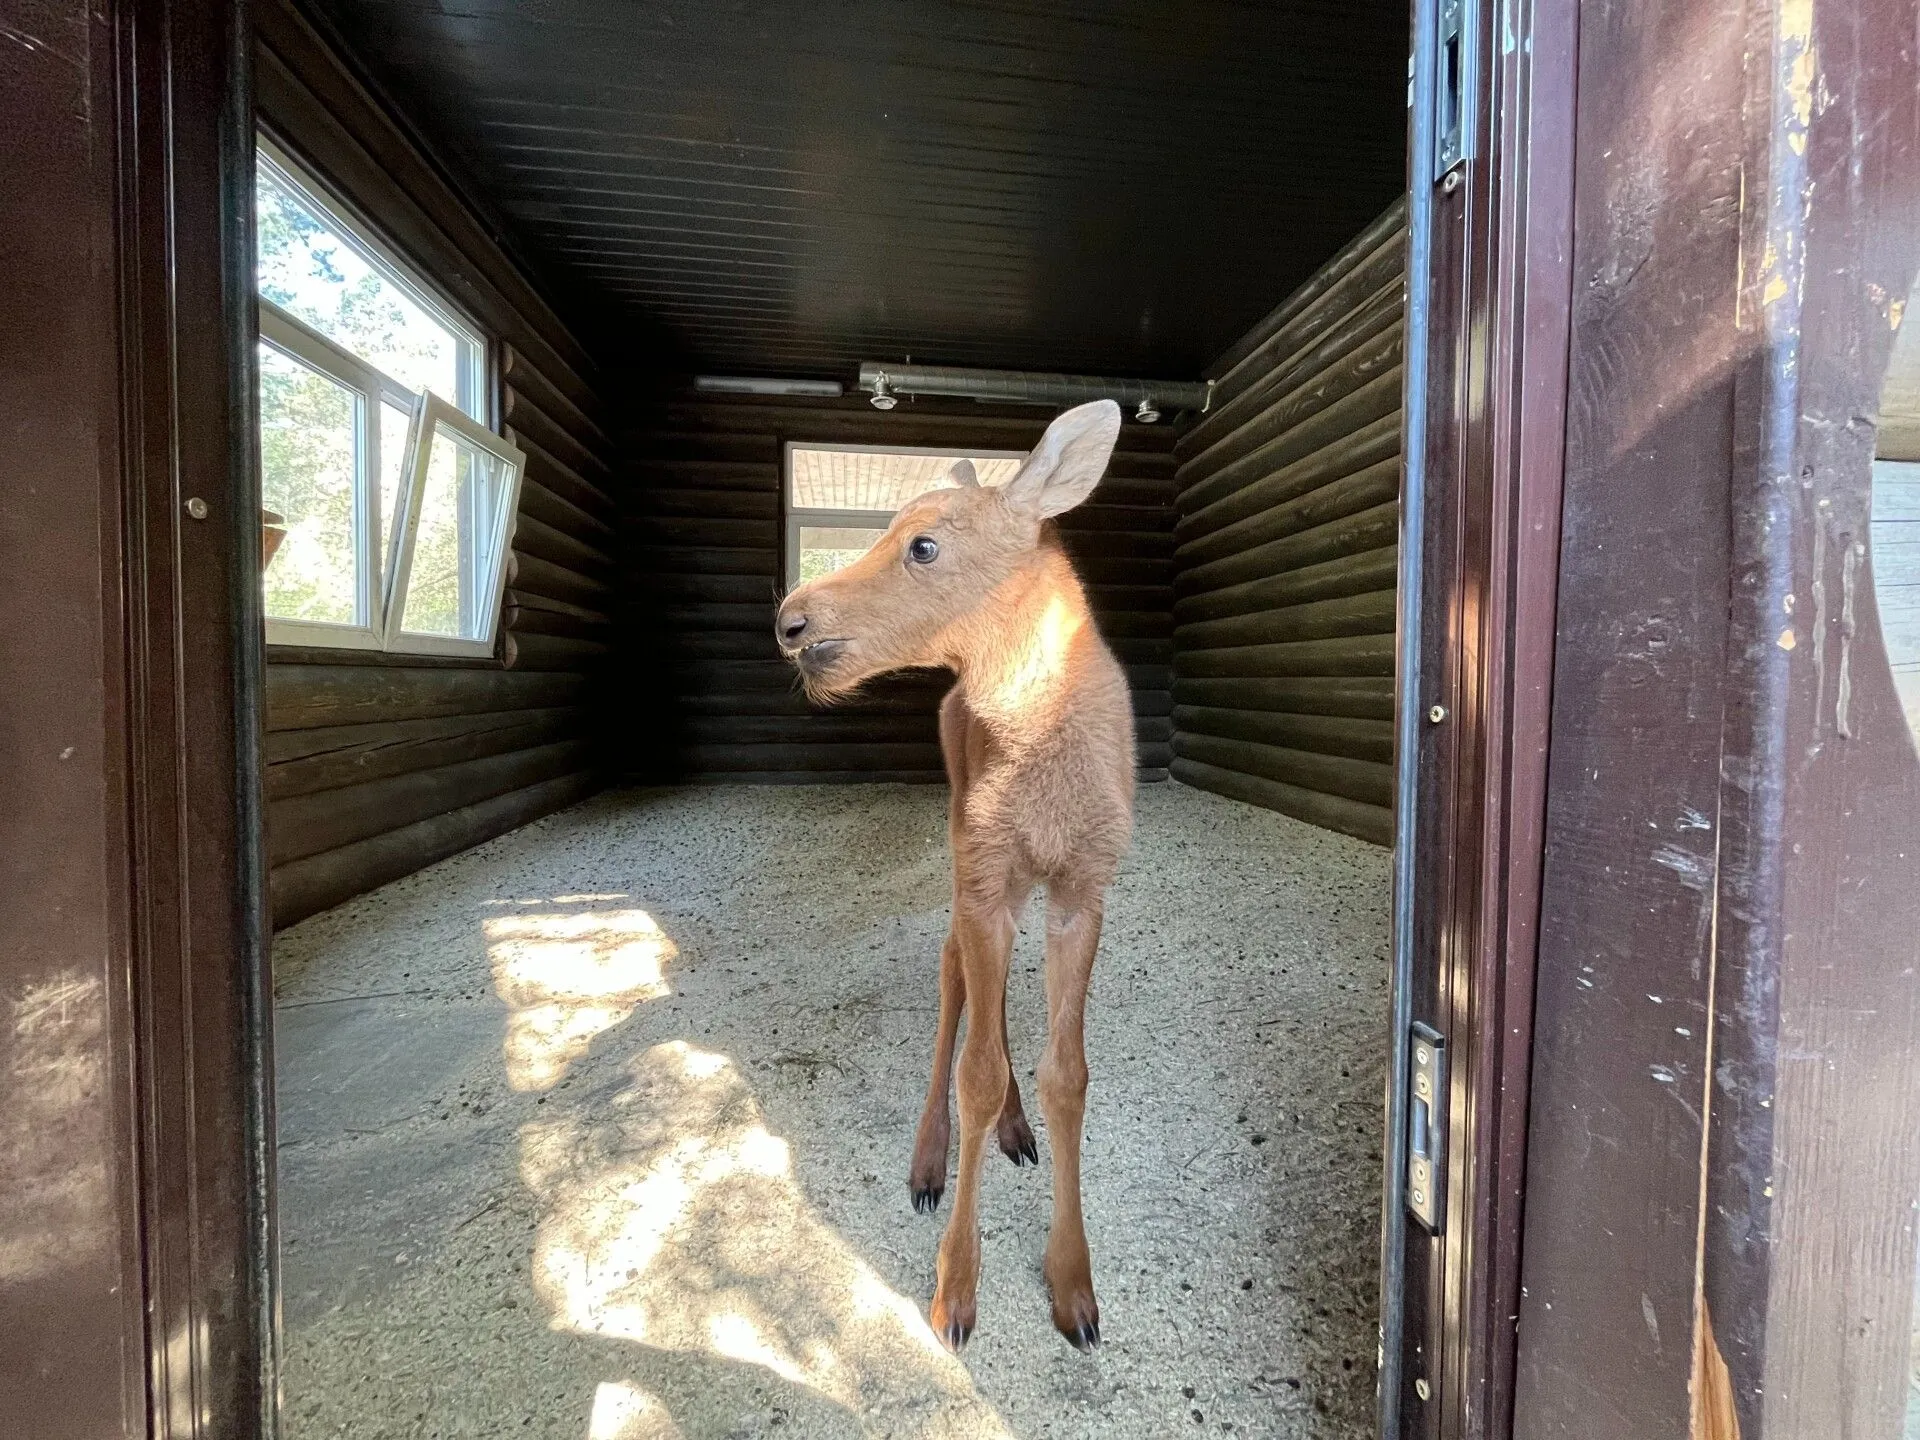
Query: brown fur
[(1038, 740)]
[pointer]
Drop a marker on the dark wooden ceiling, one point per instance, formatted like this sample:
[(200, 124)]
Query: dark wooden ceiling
[(793, 188)]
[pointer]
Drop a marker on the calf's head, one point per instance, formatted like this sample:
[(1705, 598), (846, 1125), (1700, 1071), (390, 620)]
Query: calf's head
[(943, 556)]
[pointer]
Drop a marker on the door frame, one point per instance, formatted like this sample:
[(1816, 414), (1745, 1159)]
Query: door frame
[(1489, 286), (131, 837)]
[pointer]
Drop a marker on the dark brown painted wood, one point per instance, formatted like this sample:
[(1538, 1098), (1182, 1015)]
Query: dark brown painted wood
[(130, 883), (1624, 968), (1493, 286), (1107, 189), (700, 582), (1285, 560), (1810, 1171)]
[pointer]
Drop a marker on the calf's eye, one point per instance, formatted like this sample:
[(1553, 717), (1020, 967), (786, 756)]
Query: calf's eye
[(921, 549)]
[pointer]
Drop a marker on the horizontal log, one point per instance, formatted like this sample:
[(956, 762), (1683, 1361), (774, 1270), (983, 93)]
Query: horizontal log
[(918, 727), (704, 504), (807, 756), (304, 762), (1141, 650), (1133, 624), (1371, 613), (654, 588), (1353, 655), (539, 576), (1359, 739), (1388, 225), (310, 824), (553, 435), (1131, 519), (664, 443), (308, 886), (916, 699), (1157, 492), (540, 620), (1378, 397), (1373, 823), (1311, 392), (705, 531), (1342, 455), (1375, 569), (1375, 313), (756, 616), (1096, 545), (1382, 267), (1378, 484), (1363, 697), (1350, 535), (1130, 597), (555, 652), (652, 471), (862, 776), (562, 479), (1122, 569), (535, 537), (527, 600), (300, 697), (561, 513), (668, 559), (530, 380), (756, 643), (1368, 781)]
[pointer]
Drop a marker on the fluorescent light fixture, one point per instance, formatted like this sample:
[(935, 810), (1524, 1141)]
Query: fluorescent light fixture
[(768, 385)]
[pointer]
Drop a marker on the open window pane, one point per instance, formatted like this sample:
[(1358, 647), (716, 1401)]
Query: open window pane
[(309, 444), (396, 424), (462, 502), (825, 549)]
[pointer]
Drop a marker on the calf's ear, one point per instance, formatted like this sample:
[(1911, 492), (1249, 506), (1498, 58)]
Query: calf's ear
[(1069, 460), (963, 474)]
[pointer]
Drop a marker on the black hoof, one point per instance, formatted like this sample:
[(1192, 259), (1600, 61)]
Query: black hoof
[(1020, 1147), (1085, 1336), (956, 1335), (927, 1200)]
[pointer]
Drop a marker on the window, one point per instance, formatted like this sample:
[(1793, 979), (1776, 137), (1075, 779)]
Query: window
[(395, 504), (841, 498)]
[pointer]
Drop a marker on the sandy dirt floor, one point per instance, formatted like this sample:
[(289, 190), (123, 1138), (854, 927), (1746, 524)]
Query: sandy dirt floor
[(601, 1132)]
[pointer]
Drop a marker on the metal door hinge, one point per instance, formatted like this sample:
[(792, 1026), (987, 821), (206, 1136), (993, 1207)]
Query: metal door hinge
[(1426, 1137)]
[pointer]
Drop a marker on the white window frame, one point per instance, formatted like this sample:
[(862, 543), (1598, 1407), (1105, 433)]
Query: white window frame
[(797, 516), (384, 562), (431, 414), (398, 272)]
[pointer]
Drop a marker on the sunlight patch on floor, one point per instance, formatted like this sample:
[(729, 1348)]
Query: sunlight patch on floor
[(568, 976), (677, 1223), (626, 1412)]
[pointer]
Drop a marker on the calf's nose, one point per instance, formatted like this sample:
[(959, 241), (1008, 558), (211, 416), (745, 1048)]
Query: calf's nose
[(790, 628)]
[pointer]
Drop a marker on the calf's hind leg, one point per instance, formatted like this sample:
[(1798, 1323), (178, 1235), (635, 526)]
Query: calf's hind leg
[(1073, 935)]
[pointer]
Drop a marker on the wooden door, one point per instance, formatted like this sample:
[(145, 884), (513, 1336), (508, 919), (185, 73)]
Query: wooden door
[(1722, 1169), (1490, 143), (131, 1262)]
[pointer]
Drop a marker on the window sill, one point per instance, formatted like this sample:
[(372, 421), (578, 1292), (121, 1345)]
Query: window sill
[(344, 655)]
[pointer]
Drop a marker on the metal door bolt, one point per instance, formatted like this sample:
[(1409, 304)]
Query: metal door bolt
[(1423, 1390), (1451, 183), (1437, 714), (197, 508)]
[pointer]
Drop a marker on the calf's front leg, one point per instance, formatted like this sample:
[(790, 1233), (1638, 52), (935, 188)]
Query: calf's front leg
[(986, 932), (1073, 935)]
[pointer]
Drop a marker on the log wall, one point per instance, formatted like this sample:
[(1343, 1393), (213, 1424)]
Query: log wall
[(708, 696), (1286, 550), (380, 764)]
